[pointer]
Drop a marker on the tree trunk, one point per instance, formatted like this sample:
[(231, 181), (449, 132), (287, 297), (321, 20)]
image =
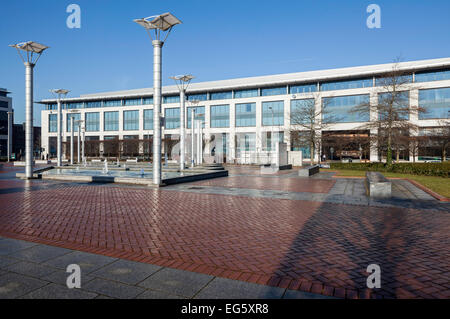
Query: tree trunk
[(312, 151), (389, 151)]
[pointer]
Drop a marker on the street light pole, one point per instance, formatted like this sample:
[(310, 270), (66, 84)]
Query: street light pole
[(10, 132), (192, 137), (59, 93), (71, 139), (159, 24), (78, 142), (182, 81), (29, 60)]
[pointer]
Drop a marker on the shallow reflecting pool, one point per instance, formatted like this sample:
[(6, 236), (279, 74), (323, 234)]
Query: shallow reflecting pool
[(114, 173)]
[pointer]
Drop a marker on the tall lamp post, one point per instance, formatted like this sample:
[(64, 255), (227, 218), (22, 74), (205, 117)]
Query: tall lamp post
[(10, 132), (59, 94), (182, 82), (33, 52), (161, 25), (195, 102)]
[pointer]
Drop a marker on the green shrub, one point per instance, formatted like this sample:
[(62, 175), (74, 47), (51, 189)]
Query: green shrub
[(427, 169)]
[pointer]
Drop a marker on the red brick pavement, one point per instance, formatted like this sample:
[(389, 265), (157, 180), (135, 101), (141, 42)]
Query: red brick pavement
[(271, 183), (310, 246)]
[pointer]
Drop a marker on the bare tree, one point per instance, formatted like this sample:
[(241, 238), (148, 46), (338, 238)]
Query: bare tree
[(307, 122), (392, 109)]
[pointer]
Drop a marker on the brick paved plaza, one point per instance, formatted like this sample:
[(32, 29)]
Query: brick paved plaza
[(315, 235)]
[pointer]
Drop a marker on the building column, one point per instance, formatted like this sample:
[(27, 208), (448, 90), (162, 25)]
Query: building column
[(414, 118), (232, 136), (10, 133), (373, 116)]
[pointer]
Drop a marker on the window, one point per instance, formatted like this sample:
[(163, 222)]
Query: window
[(92, 122), (73, 106), (76, 117), (298, 107), (197, 97), (49, 106), (53, 123), (344, 85), (199, 115), (147, 101), (436, 102), (220, 116), (172, 118), (246, 142), (111, 121), (246, 115), (273, 113), (433, 76), (304, 88), (221, 95), (388, 81), (130, 120), (240, 94), (93, 104), (132, 102), (274, 91), (340, 109), (400, 101), (171, 99), (148, 119), (111, 103)]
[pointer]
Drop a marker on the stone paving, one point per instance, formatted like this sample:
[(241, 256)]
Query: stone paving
[(250, 230)]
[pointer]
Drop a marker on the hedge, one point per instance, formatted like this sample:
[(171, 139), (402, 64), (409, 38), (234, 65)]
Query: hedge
[(427, 169)]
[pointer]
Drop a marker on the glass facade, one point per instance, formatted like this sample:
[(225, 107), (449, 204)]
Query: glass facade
[(433, 76), (436, 103), (220, 116), (111, 121), (199, 110), (172, 118), (92, 122), (298, 107), (246, 115), (400, 101), (281, 90), (74, 106), (246, 142), (131, 120), (221, 95), (340, 109), (197, 97), (131, 102), (52, 123), (400, 80), (93, 104), (111, 103), (273, 113), (344, 85), (148, 119), (76, 117), (171, 99), (304, 88), (240, 94), (147, 101)]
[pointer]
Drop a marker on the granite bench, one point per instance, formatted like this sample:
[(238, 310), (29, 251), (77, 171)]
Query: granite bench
[(309, 171), (378, 186)]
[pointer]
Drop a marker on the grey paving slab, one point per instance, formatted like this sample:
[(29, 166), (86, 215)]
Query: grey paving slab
[(6, 261), (40, 253), (30, 269), (104, 297), (14, 285), (113, 289), (222, 288), (177, 282), (154, 294), (88, 262), (60, 277), (54, 291), (294, 294), (125, 271), (9, 246)]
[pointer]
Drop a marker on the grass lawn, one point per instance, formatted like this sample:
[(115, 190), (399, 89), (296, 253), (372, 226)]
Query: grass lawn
[(440, 185)]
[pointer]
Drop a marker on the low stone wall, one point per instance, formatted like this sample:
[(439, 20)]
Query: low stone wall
[(378, 186), (309, 171)]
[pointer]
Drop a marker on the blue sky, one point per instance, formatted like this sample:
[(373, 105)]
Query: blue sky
[(217, 40)]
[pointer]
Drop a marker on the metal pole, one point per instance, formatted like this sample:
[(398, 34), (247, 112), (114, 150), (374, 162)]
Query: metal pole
[(29, 120), (10, 132), (182, 130), (200, 142), (157, 82), (78, 142), (192, 137), (71, 140), (84, 141), (59, 138)]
